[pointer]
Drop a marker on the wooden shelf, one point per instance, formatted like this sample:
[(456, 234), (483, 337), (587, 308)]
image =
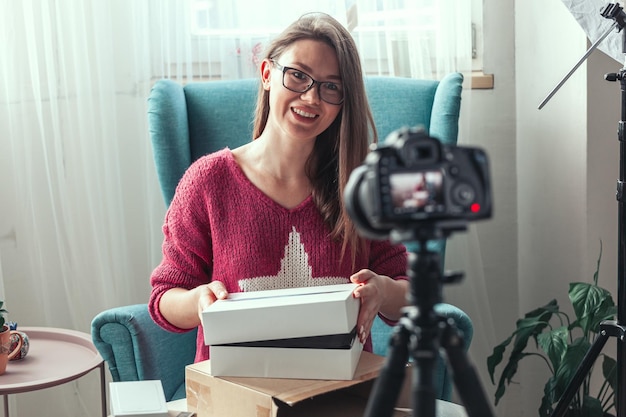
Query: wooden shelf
[(481, 81)]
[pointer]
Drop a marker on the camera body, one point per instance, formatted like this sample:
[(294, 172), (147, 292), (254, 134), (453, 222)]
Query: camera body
[(412, 181)]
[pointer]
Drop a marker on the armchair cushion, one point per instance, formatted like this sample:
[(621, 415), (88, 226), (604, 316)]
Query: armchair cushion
[(381, 333)]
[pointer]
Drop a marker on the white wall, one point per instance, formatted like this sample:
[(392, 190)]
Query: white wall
[(491, 272), (551, 165), (554, 175)]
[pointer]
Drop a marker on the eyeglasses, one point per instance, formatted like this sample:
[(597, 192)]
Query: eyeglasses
[(300, 82)]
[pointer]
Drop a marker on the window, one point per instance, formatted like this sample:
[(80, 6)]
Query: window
[(225, 39)]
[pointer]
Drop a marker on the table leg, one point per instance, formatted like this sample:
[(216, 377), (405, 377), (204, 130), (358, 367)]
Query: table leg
[(103, 391), (6, 405)]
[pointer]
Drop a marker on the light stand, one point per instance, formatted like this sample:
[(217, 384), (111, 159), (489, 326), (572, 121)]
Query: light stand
[(420, 333), (609, 328)]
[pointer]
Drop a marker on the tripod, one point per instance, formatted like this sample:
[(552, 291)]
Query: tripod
[(419, 333), (610, 328)]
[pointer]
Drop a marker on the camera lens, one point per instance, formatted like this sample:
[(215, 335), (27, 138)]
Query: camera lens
[(463, 194)]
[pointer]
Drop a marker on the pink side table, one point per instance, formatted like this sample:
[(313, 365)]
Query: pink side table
[(55, 356)]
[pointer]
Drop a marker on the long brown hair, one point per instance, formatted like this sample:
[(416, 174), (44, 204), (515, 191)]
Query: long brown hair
[(344, 144)]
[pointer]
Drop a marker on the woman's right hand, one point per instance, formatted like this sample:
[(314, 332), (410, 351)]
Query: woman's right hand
[(208, 294)]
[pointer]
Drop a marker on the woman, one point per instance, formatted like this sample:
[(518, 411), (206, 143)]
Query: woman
[(270, 213)]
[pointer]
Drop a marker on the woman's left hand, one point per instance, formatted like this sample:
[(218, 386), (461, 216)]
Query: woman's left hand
[(371, 293)]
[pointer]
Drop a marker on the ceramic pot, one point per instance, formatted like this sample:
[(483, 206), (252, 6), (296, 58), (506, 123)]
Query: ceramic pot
[(5, 347)]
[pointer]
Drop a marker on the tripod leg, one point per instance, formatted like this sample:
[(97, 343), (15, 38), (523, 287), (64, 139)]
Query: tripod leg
[(387, 387), (425, 358), (465, 377), (581, 372)]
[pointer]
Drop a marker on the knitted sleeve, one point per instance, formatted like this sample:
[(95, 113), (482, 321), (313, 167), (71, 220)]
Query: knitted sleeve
[(186, 245), (389, 259)]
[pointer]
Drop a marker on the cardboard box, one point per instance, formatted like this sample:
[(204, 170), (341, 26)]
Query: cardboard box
[(138, 399), (281, 314), (286, 362), (211, 396)]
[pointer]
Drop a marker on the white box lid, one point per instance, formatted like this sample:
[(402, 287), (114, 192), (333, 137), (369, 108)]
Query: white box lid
[(281, 314)]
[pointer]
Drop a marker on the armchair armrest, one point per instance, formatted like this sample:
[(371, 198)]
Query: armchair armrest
[(135, 348), (381, 332)]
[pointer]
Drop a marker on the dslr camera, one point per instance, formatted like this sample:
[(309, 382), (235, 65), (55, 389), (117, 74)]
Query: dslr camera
[(412, 181)]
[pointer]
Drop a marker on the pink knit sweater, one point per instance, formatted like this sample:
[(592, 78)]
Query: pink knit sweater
[(219, 226)]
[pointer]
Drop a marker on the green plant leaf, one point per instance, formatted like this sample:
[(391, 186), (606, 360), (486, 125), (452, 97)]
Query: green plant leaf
[(569, 365), (592, 305), (3, 313), (507, 374), (533, 324), (496, 357), (545, 409), (591, 407), (596, 274), (554, 344), (609, 371)]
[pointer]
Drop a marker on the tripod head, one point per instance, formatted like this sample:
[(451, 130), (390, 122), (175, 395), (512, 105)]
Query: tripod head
[(614, 11), (424, 267), (611, 11)]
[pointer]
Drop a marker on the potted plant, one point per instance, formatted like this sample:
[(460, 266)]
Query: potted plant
[(8, 350), (561, 344), (3, 313)]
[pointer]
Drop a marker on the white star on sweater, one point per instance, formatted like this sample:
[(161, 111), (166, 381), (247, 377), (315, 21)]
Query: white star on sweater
[(295, 271)]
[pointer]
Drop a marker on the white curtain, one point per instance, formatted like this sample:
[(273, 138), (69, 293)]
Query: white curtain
[(80, 206)]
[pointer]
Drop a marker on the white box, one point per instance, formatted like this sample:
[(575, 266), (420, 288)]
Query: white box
[(298, 363), (138, 399), (281, 314)]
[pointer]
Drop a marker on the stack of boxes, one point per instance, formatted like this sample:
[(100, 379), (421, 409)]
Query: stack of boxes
[(302, 333), (283, 353)]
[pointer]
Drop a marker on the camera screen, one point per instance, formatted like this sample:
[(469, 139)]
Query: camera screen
[(416, 191)]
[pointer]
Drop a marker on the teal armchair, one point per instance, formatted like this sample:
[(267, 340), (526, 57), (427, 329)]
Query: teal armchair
[(189, 121)]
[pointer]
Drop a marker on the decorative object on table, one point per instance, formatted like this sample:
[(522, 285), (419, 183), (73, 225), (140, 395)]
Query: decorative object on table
[(6, 353), (15, 340), (563, 345)]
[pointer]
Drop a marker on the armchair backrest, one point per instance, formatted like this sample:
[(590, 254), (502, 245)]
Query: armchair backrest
[(189, 121)]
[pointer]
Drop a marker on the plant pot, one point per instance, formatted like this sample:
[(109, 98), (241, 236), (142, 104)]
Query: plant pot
[(6, 353)]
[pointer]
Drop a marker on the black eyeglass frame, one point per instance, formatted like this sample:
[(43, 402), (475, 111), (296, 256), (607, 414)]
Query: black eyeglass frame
[(284, 70)]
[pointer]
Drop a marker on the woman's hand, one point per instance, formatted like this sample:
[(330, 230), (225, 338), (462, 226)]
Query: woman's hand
[(378, 293), (371, 293), (183, 308), (208, 294)]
